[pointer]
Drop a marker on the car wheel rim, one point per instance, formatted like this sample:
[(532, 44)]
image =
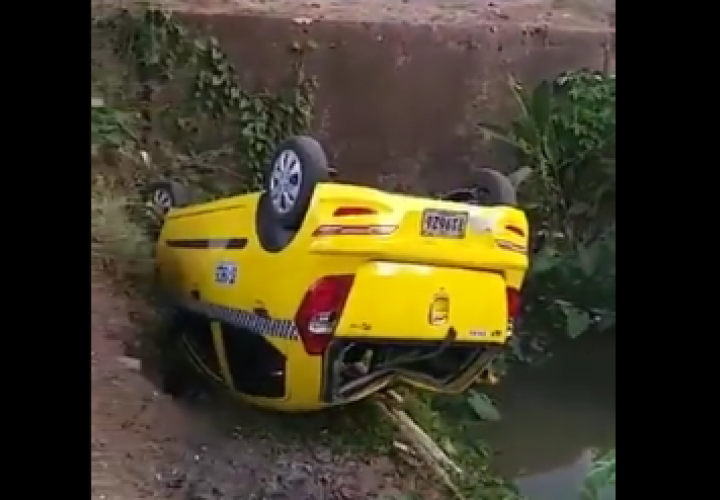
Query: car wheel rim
[(162, 200), (285, 181)]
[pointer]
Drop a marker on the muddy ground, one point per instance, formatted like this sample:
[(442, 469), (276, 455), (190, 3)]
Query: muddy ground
[(145, 444)]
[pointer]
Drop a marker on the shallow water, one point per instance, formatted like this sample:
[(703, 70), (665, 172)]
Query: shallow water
[(554, 416)]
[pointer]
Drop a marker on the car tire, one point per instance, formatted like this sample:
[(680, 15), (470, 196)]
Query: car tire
[(297, 166), (493, 188), (178, 378), (164, 195)]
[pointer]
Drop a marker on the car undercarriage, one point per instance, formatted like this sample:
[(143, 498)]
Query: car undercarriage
[(354, 366)]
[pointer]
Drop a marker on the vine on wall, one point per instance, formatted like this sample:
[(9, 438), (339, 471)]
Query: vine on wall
[(189, 110)]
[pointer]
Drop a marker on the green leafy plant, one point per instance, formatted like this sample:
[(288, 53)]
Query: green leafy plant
[(563, 140), (601, 477), (564, 143), (457, 428), (109, 127), (189, 99), (167, 103)]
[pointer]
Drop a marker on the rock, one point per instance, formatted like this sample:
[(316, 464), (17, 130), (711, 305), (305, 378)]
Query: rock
[(130, 363)]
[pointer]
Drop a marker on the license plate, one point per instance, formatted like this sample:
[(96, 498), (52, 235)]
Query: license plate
[(444, 224)]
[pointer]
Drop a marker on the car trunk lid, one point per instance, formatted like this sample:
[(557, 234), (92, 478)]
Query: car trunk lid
[(394, 301)]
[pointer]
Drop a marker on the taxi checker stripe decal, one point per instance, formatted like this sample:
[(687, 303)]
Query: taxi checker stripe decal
[(247, 320)]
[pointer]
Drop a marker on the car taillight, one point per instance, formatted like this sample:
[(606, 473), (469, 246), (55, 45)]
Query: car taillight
[(320, 311), (346, 211), (513, 303)]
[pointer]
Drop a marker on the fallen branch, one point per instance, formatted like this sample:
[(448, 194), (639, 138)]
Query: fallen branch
[(424, 445)]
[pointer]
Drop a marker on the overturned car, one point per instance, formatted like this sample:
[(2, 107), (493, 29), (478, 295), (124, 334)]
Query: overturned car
[(312, 293)]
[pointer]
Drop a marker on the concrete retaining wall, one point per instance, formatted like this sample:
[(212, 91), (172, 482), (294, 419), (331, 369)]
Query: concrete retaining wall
[(397, 102)]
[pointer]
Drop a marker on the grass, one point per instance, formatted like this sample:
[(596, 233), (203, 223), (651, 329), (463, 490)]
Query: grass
[(119, 245), (451, 423), (356, 429)]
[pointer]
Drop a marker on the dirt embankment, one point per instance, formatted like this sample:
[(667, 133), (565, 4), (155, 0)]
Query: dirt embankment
[(147, 445)]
